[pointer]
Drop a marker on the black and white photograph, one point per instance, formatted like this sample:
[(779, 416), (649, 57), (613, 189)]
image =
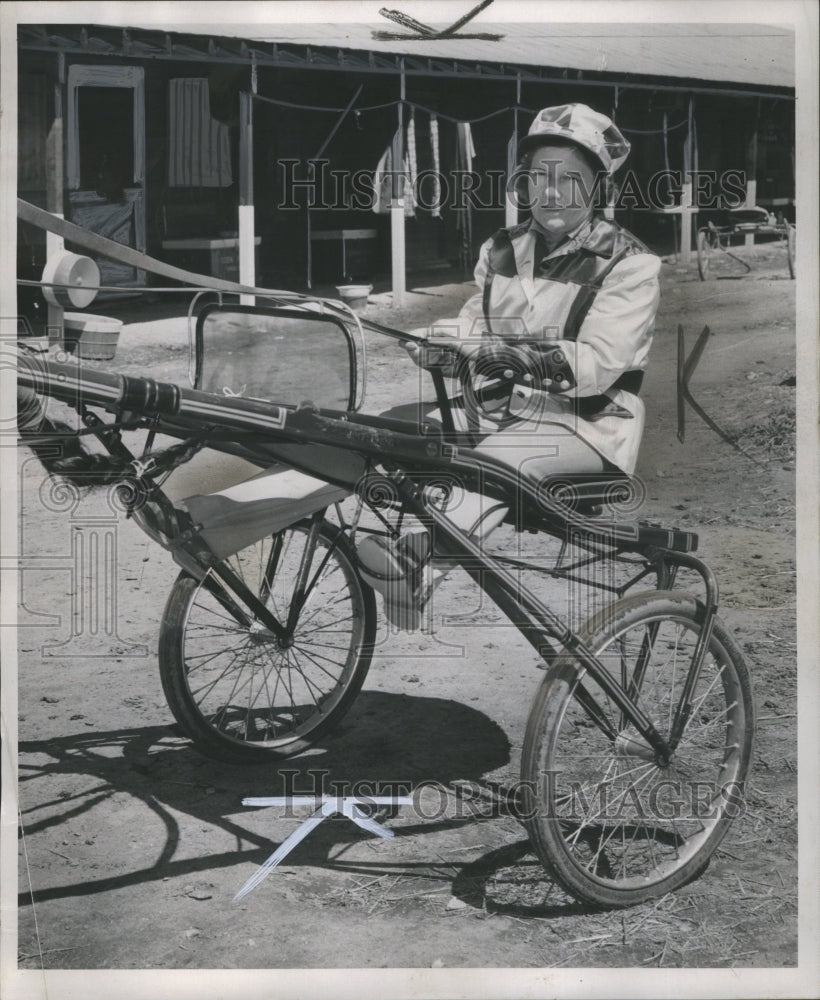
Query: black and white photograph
[(409, 499)]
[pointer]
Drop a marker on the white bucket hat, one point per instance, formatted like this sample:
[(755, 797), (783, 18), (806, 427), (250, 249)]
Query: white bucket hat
[(579, 124)]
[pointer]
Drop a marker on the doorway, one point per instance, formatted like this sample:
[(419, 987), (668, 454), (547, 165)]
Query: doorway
[(105, 165)]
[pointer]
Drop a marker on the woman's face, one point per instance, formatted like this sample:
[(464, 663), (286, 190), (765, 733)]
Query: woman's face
[(560, 189)]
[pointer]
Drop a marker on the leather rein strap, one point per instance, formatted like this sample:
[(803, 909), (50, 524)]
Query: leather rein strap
[(134, 258)]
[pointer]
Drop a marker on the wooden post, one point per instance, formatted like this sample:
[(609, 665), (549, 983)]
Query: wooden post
[(54, 192), (397, 244), (751, 173), (247, 225), (312, 188), (686, 210)]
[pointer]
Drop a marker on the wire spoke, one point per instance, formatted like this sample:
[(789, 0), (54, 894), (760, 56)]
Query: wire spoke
[(624, 819), (229, 667), (320, 667)]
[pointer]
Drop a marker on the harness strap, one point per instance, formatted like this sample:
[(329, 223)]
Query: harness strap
[(582, 302), (485, 299), (500, 260), (588, 406)]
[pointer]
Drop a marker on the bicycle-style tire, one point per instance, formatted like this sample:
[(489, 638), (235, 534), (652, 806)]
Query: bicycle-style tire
[(612, 826), (705, 246), (234, 689), (791, 248)]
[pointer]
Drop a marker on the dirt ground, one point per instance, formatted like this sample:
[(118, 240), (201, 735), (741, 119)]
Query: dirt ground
[(134, 844)]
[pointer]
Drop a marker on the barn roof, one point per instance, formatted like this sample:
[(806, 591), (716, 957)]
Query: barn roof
[(732, 53), (701, 56)]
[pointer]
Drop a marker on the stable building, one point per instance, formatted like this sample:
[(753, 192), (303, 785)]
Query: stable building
[(310, 155)]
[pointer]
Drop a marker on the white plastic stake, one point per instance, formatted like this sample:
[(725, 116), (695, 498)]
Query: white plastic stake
[(349, 806)]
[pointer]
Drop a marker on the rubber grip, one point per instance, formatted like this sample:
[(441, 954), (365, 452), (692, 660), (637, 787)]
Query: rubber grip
[(668, 538), (145, 395)]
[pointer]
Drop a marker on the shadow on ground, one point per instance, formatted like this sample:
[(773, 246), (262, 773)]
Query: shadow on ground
[(415, 740)]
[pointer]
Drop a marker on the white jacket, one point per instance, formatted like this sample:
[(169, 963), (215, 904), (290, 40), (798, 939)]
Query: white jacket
[(614, 337)]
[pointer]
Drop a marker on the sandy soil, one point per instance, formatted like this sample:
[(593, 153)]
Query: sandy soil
[(134, 844)]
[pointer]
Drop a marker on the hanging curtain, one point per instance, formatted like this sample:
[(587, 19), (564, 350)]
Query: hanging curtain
[(412, 159), (434, 146), (199, 148), (383, 182)]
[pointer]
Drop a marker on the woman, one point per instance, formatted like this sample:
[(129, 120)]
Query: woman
[(569, 277)]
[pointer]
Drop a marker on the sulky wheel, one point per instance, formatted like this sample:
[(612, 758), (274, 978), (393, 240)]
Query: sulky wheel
[(706, 245), (612, 824), (791, 248), (237, 691)]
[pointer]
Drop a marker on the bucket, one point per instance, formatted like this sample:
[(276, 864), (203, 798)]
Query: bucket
[(92, 337), (354, 296)]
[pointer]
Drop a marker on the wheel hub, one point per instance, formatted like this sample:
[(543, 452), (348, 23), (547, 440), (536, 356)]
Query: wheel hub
[(260, 634), (627, 746)]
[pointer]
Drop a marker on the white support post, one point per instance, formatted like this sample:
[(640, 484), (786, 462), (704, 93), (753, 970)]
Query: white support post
[(247, 227), (397, 240), (510, 201), (397, 251), (247, 251), (751, 172), (55, 179), (686, 208), (751, 200)]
